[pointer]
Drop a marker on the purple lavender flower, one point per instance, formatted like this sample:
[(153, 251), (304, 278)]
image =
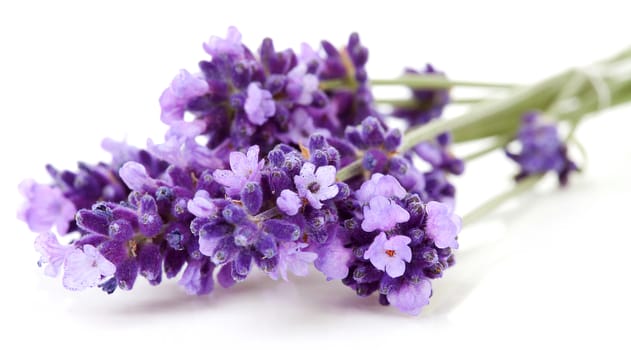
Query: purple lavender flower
[(302, 85), (174, 99), (390, 254), (380, 185), (136, 178), (442, 225), (230, 46), (245, 167), (333, 259), (411, 297), (292, 257), (289, 202), (316, 185), (383, 214), (53, 254), (259, 104), (45, 207), (201, 205), (86, 268), (541, 150), (197, 278)]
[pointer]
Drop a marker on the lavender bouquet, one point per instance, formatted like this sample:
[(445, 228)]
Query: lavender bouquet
[(280, 160)]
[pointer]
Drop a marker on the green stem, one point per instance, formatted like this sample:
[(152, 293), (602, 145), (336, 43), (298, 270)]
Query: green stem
[(435, 82), (411, 103), (495, 202), (498, 142)]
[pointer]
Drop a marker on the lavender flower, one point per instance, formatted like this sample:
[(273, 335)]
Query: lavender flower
[(541, 150), (442, 225), (289, 202), (259, 104), (383, 214), (390, 254), (291, 257), (174, 100), (245, 167), (46, 207), (411, 297), (230, 46), (53, 254), (316, 185), (86, 268)]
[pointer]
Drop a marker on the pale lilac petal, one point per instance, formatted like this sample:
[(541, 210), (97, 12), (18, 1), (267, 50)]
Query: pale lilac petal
[(411, 298), (380, 185), (135, 176), (333, 259), (292, 258), (239, 164), (207, 245), (184, 87), (313, 200), (383, 214), (395, 268), (327, 192), (325, 175), (201, 205), (259, 104), (233, 183), (53, 254), (231, 45), (442, 225), (45, 207), (289, 202), (86, 268), (399, 244)]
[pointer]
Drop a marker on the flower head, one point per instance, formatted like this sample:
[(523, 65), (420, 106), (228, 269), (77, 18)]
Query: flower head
[(541, 150), (390, 254)]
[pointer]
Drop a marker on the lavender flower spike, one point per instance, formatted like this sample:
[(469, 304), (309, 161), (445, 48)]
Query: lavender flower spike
[(390, 255), (86, 268), (442, 225), (245, 168), (316, 185), (45, 207)]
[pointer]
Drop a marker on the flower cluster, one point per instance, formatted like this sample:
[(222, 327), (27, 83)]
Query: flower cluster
[(541, 150), (263, 189)]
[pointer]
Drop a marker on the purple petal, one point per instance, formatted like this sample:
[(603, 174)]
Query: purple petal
[(383, 214), (259, 104)]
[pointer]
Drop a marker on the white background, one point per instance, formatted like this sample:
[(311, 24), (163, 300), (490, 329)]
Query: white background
[(552, 269)]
